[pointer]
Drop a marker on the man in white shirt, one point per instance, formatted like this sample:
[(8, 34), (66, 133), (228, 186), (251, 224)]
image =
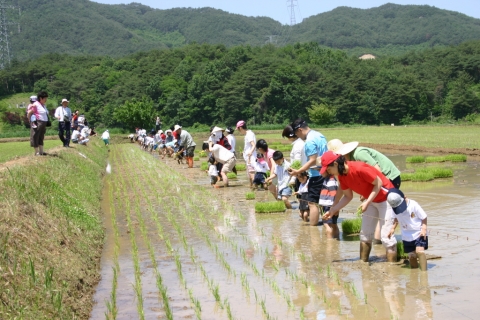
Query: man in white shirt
[(64, 116)]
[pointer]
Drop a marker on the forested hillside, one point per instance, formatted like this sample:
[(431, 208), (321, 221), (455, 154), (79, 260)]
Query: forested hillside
[(207, 84), (86, 27)]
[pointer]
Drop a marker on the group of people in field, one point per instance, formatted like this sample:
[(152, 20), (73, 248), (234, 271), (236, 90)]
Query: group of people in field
[(72, 126), (324, 182)]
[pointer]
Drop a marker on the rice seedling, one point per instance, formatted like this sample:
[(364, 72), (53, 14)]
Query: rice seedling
[(250, 196), (204, 166), (415, 159), (422, 176), (241, 167), (351, 226), (196, 158), (406, 176), (435, 159), (456, 157), (400, 251), (297, 164), (202, 154), (231, 175), (438, 172), (270, 207)]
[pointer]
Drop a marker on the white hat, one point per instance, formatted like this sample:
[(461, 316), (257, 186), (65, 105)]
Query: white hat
[(216, 129), (160, 131), (338, 147), (33, 98), (177, 127), (167, 131), (65, 100)]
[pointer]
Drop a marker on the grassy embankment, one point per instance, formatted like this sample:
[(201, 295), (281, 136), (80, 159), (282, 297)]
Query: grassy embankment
[(12, 150), (51, 235)]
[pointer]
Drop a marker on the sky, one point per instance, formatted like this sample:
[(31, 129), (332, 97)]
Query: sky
[(278, 9)]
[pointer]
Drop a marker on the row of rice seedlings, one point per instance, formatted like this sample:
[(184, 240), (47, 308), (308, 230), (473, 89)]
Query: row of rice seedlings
[(450, 157), (351, 226), (136, 264), (204, 166), (427, 174), (231, 175), (250, 195), (241, 167), (270, 207)]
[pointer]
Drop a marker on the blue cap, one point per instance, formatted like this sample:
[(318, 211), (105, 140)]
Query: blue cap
[(396, 199)]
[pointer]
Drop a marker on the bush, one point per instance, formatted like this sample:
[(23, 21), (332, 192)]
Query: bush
[(351, 226), (269, 207), (250, 196)]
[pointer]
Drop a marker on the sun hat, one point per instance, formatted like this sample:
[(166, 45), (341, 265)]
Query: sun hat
[(229, 130), (240, 123), (396, 199), (168, 131), (216, 129), (177, 127), (65, 100), (337, 146), (327, 158), (160, 131), (33, 98)]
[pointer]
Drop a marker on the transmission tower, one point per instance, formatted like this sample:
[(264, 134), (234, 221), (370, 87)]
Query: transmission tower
[(291, 4), (4, 43)]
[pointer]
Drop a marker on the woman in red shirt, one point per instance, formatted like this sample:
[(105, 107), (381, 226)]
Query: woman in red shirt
[(362, 178)]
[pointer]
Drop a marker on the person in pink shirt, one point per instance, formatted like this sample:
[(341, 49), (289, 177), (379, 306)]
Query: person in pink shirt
[(37, 134), (262, 148)]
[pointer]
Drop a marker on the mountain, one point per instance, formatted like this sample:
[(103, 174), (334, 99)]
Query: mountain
[(86, 27)]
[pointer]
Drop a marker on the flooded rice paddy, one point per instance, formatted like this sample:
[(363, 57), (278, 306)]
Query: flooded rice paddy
[(177, 248)]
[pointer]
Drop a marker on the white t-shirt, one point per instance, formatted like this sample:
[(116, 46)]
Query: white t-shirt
[(148, 141), (42, 112), (221, 154), (297, 152), (410, 220), (212, 170), (75, 135), (261, 166), (249, 137), (282, 175), (105, 135), (303, 187), (62, 114), (231, 139)]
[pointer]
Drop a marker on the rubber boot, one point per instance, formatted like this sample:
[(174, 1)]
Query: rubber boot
[(365, 249), (190, 162), (422, 261), (392, 254), (412, 258)]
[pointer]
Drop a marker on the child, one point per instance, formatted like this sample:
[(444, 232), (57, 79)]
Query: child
[(327, 199), (281, 172), (413, 223), (212, 171), (178, 153), (261, 168), (302, 196)]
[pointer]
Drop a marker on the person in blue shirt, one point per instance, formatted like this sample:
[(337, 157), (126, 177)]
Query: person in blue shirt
[(315, 147)]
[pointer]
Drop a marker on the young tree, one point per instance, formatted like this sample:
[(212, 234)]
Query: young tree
[(136, 113)]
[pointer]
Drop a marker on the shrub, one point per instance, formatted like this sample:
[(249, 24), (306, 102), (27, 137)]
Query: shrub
[(415, 159), (250, 195), (351, 226), (241, 167), (231, 175), (204, 166), (269, 207)]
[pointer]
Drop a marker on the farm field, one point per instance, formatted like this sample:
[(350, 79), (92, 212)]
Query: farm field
[(178, 249)]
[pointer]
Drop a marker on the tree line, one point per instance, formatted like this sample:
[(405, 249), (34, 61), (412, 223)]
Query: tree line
[(206, 84)]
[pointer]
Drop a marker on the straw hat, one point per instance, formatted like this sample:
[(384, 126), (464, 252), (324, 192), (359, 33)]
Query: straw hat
[(216, 129), (337, 146)]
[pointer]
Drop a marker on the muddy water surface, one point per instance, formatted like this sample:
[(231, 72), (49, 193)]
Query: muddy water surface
[(242, 265)]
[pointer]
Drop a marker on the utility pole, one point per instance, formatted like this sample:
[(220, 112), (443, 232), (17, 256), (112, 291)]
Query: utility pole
[(291, 4), (4, 43)]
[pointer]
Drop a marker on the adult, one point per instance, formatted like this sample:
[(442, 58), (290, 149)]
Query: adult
[(218, 137), (106, 137), (186, 143), (223, 156), (231, 139), (77, 136), (362, 178), (353, 152), (263, 149), (64, 116), (249, 151), (298, 145), (315, 147), (158, 124), (37, 134)]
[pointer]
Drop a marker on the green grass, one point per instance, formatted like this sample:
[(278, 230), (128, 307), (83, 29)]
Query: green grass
[(250, 195), (400, 251), (204, 166), (231, 175), (297, 164), (11, 150), (241, 167), (351, 226), (270, 207), (415, 159)]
